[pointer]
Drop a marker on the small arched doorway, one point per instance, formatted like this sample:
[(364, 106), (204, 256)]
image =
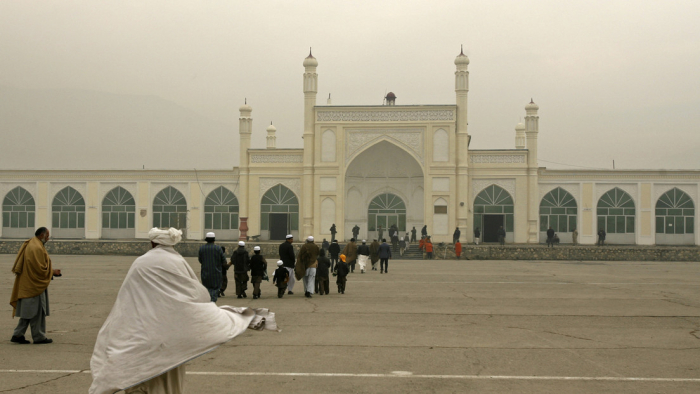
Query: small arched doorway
[(493, 208), (279, 213), (384, 211)]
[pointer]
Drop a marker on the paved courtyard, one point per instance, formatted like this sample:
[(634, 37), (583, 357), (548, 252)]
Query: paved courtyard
[(427, 326)]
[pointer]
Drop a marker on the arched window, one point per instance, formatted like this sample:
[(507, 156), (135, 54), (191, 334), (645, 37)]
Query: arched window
[(279, 205), (558, 210), (386, 210), (675, 213), (18, 209), (221, 210), (616, 212), (68, 210), (170, 209), (118, 209), (493, 201)]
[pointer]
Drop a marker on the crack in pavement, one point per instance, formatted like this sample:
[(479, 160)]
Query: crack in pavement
[(44, 382)]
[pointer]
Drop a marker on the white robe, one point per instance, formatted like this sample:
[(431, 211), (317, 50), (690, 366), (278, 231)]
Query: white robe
[(162, 318), (362, 261)]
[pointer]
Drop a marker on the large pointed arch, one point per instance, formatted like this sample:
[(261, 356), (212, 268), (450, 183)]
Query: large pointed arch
[(68, 214), (675, 218), (18, 213), (616, 212), (559, 210), (279, 212), (494, 207), (170, 209), (118, 214)]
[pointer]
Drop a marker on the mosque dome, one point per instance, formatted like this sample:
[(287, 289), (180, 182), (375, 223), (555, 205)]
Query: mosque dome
[(271, 128), (461, 58), (532, 105), (520, 126), (310, 60), (245, 108), (390, 95)]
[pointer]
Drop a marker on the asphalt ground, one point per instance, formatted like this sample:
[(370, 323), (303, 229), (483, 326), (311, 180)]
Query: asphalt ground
[(427, 326)]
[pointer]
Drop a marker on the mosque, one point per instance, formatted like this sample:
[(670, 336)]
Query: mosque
[(370, 166)]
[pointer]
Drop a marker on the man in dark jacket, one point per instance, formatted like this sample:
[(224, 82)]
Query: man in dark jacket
[(477, 236), (363, 255), (289, 258), (456, 235), (224, 276), (322, 285), (334, 251), (356, 231), (241, 265), (325, 245), (333, 232), (342, 269), (424, 231), (413, 234), (601, 237), (258, 267), (212, 259), (550, 237), (501, 235), (384, 256)]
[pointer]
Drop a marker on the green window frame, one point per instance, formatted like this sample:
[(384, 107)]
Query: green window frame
[(68, 209), (118, 209), (494, 200), (675, 210), (18, 209), (384, 210), (170, 209), (279, 199), (560, 209), (221, 210), (616, 212)]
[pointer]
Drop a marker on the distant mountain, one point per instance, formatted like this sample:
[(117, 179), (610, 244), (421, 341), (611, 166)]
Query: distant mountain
[(77, 129)]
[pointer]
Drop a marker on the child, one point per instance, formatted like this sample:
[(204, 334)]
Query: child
[(342, 271), (458, 249), (322, 285), (280, 279), (258, 266)]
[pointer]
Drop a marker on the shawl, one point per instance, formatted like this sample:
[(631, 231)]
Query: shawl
[(33, 272), (350, 252), (308, 254), (162, 318), (374, 251)]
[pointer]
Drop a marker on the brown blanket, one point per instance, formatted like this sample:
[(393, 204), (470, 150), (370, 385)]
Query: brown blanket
[(308, 255), (32, 271)]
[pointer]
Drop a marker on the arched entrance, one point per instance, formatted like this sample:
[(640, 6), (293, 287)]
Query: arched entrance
[(558, 209), (18, 214), (675, 218), (170, 210), (221, 214), (616, 215), (493, 208), (68, 214), (380, 186), (118, 214), (279, 213)]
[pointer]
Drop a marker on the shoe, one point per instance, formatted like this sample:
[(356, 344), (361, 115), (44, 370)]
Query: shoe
[(255, 297), (43, 341), (320, 293), (342, 292), (19, 340), (381, 272), (222, 294), (279, 295), (245, 295), (240, 296), (290, 293)]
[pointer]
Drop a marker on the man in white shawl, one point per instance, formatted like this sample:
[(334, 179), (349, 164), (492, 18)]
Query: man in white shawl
[(163, 317)]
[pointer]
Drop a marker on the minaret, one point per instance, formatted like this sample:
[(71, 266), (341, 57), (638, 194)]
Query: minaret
[(520, 136), (245, 128), (531, 130), (461, 148), (310, 91), (271, 138)]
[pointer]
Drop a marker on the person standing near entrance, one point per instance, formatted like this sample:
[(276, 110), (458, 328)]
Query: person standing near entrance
[(30, 295), (501, 236), (424, 231), (402, 246), (356, 232), (306, 268), (287, 256), (384, 256), (380, 232), (456, 235), (333, 232), (550, 237), (601, 237), (428, 248), (212, 259), (334, 251), (458, 249), (350, 252), (413, 234), (574, 236), (477, 236), (374, 253), (241, 265), (363, 255)]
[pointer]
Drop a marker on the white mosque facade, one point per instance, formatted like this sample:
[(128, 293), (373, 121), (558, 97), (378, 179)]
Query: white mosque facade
[(368, 166)]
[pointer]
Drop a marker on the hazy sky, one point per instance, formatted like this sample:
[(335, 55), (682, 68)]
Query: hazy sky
[(614, 79)]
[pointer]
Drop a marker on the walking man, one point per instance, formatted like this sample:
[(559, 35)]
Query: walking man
[(287, 256), (477, 236), (258, 268), (325, 245), (374, 254), (30, 295), (212, 259), (241, 265), (224, 275), (550, 237), (424, 231), (306, 269), (428, 248), (333, 232), (350, 252), (456, 235), (384, 256), (363, 255), (334, 251)]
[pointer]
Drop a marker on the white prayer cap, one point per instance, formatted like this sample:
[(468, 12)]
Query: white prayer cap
[(279, 263), (310, 239), (210, 235), (364, 241), (256, 248), (289, 236), (168, 237), (241, 243)]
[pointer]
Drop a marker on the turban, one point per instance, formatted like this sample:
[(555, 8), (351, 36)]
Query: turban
[(310, 239), (279, 263), (167, 237), (257, 248), (211, 235), (342, 258)]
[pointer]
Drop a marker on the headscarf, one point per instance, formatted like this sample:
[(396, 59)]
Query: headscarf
[(342, 258), (169, 237)]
